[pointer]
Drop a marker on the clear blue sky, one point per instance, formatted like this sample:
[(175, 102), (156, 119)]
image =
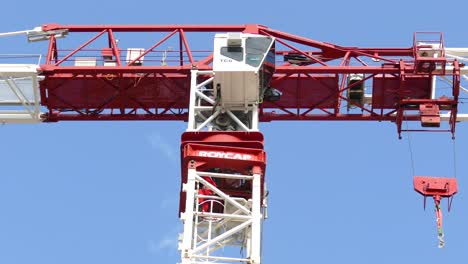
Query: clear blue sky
[(95, 193)]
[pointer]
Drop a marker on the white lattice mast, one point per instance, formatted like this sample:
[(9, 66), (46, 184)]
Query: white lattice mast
[(214, 219), (215, 215), (223, 194)]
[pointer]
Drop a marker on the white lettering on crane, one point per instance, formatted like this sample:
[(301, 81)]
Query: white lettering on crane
[(224, 155)]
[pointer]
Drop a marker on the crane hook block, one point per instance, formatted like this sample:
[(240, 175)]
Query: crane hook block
[(437, 188)]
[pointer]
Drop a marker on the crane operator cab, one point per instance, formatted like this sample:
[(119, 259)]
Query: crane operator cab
[(243, 65)]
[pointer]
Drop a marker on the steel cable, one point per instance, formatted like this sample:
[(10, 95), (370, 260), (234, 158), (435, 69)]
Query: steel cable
[(410, 147)]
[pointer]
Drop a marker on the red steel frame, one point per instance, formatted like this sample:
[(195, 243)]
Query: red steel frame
[(313, 90), (239, 142)]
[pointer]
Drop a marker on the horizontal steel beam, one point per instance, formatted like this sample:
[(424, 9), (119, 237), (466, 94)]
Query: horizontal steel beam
[(18, 118), (147, 28), (118, 69)]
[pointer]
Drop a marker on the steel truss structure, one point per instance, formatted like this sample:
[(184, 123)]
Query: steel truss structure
[(223, 194), (19, 94), (222, 191), (101, 79), (203, 109)]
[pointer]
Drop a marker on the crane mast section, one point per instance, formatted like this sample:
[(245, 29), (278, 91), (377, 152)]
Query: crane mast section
[(223, 89)]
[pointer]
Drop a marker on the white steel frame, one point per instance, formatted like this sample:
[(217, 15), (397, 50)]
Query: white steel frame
[(206, 234), (196, 107), (25, 109)]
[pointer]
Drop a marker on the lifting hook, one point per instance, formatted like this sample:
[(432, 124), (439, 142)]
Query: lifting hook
[(437, 188)]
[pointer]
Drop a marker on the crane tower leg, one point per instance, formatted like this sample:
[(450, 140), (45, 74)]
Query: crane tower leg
[(222, 188)]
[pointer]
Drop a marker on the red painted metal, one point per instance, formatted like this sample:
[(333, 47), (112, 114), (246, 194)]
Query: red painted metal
[(205, 151), (401, 81), (437, 188), (79, 48), (425, 61), (385, 89), (314, 90), (113, 46), (147, 28), (226, 138), (430, 115)]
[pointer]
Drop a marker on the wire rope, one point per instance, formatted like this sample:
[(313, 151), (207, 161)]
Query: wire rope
[(410, 147), (454, 159)]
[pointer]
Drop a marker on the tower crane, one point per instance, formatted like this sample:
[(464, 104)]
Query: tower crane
[(242, 75)]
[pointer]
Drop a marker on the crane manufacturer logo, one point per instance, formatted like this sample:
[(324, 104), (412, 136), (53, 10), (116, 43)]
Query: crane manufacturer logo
[(225, 155)]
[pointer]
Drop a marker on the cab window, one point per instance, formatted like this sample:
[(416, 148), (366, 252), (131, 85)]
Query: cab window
[(256, 49), (235, 53)]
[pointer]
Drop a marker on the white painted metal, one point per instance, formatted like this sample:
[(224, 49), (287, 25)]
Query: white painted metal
[(255, 236), (433, 50), (192, 100), (207, 235), (238, 67), (21, 32), (460, 117), (208, 120), (237, 121), (444, 117), (37, 34), (30, 58), (187, 217), (205, 108), (85, 61), (433, 87), (226, 176), (133, 53), (19, 94), (459, 52), (449, 68)]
